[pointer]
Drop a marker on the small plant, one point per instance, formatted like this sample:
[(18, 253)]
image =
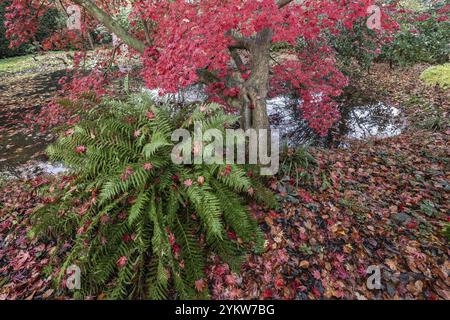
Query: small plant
[(138, 223), (446, 231), (435, 123), (3, 179), (294, 164), (437, 75)]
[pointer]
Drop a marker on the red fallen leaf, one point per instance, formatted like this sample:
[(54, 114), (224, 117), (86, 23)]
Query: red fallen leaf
[(340, 257), (80, 149), (304, 264), (274, 185), (230, 279), (5, 225), (231, 235), (122, 215), (235, 293), (316, 292), (339, 294), (147, 166), (220, 270), (126, 237), (226, 171), (273, 214), (304, 195), (172, 239), (412, 224), (105, 218), (201, 180), (150, 115), (303, 236), (200, 285), (339, 165), (21, 258), (267, 294), (122, 261), (176, 250), (316, 274), (279, 282)]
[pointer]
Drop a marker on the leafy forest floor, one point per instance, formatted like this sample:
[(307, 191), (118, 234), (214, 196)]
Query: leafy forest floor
[(381, 202)]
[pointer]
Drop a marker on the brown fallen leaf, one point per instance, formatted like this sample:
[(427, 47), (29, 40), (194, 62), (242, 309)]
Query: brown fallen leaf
[(304, 264)]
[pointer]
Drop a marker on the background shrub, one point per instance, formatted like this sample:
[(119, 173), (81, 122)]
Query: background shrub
[(424, 36), (51, 21)]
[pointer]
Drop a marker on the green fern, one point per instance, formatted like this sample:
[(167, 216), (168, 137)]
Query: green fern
[(127, 201)]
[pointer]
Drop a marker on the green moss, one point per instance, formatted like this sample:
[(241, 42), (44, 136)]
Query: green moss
[(437, 75)]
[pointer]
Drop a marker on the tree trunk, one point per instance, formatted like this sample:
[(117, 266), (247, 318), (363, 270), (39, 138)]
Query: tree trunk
[(256, 87)]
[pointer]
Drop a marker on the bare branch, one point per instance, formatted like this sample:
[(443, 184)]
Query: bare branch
[(282, 3), (112, 25)]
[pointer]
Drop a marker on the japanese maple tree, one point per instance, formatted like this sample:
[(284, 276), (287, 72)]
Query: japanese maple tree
[(226, 44)]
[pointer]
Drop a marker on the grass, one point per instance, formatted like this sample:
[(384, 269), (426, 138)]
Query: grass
[(29, 62)]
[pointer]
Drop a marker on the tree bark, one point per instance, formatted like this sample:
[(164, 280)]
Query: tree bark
[(257, 86), (282, 3)]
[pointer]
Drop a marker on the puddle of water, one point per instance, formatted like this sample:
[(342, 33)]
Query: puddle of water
[(192, 94), (374, 120), (360, 119), (32, 169), (285, 116), (22, 153)]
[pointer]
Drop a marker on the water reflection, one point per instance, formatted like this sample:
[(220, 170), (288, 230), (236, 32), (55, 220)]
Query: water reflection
[(373, 120), (189, 95), (359, 120), (285, 116)]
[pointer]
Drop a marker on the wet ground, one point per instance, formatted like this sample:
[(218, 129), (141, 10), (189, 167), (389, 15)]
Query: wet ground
[(22, 94)]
